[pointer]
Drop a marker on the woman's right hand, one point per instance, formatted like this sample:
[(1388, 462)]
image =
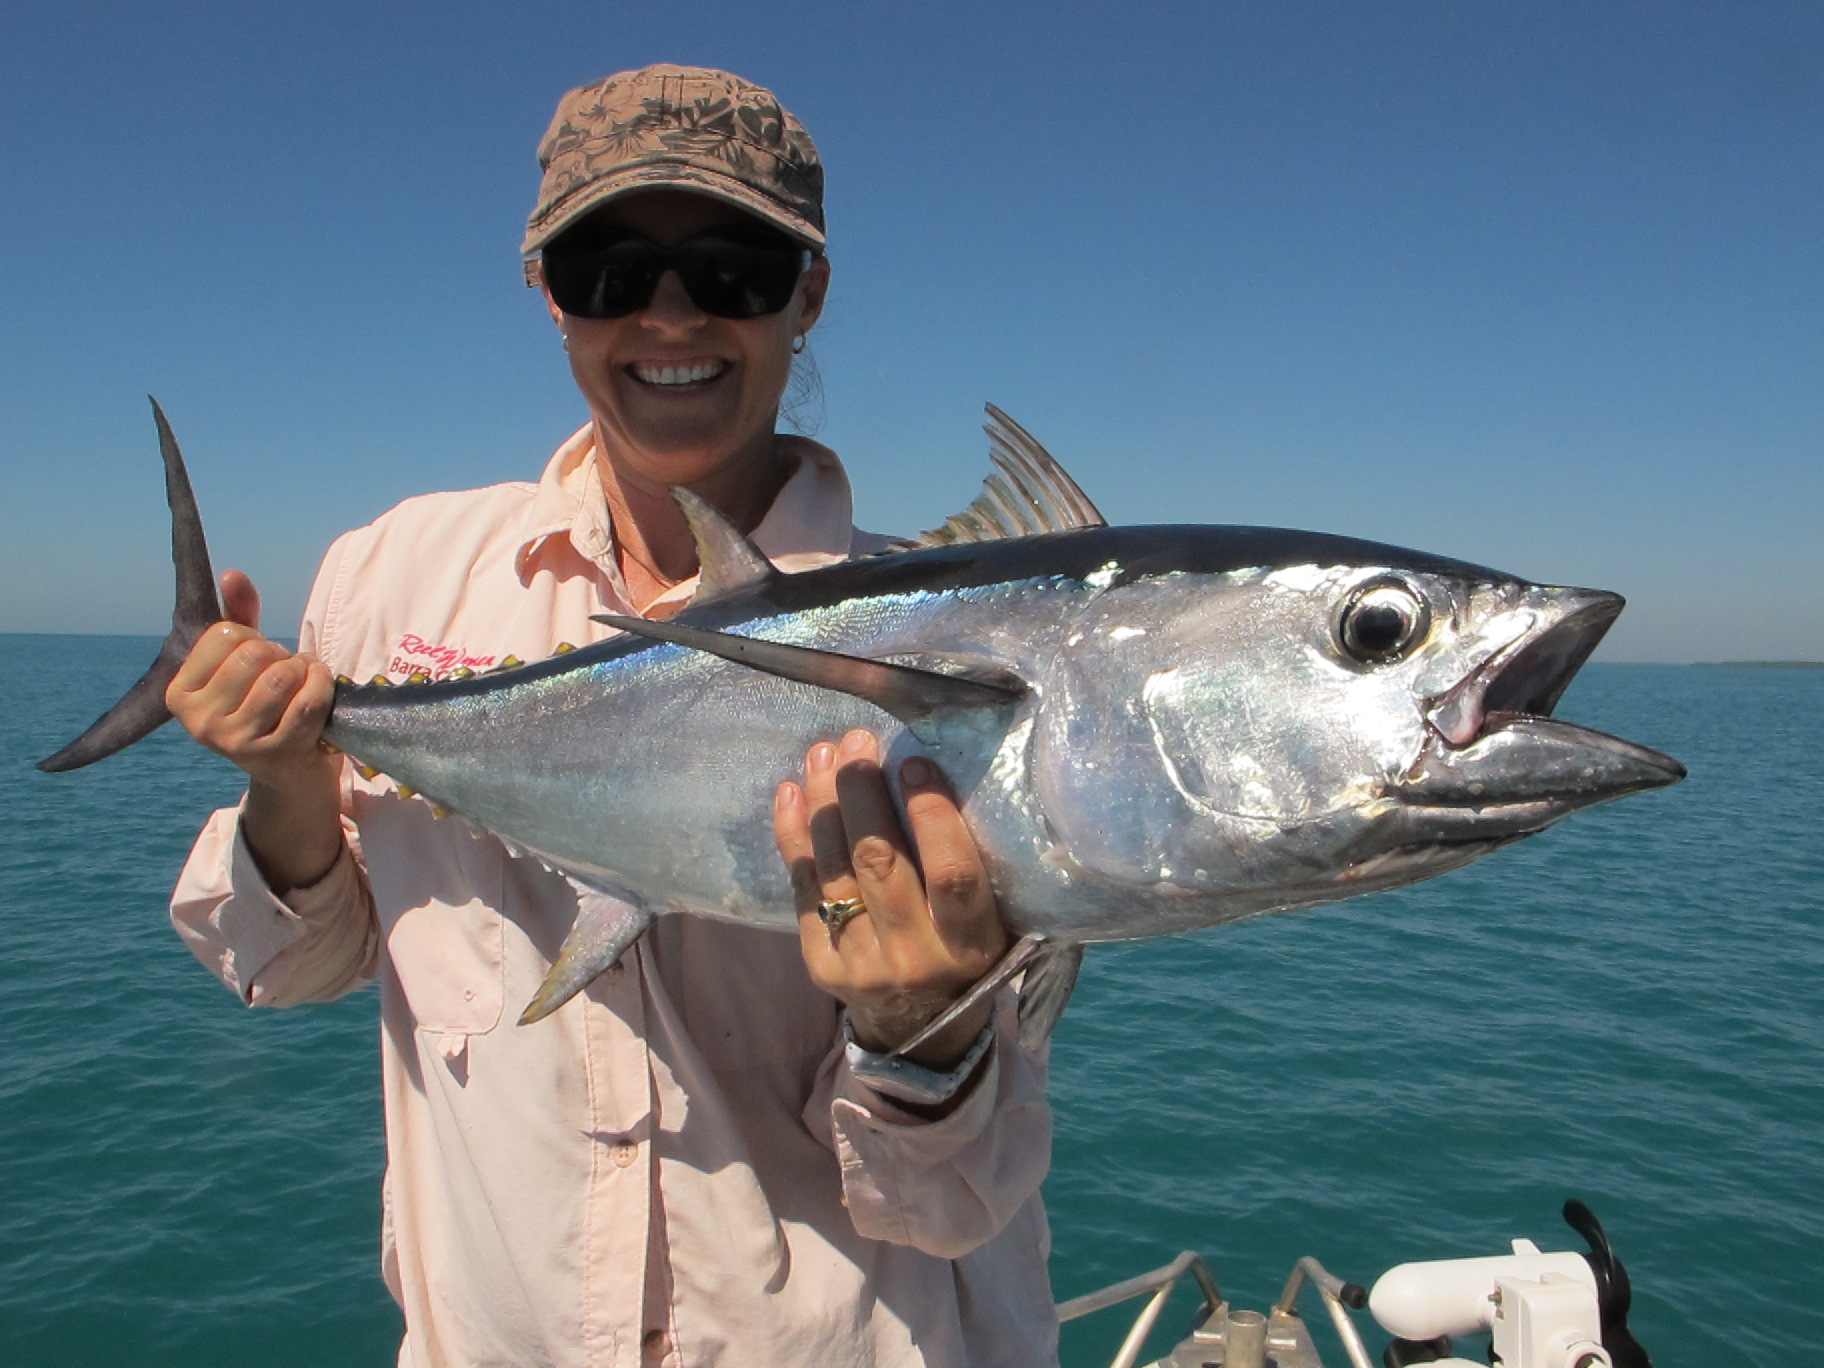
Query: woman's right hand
[(248, 698), (264, 708)]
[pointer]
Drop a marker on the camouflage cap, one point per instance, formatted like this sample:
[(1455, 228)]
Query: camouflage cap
[(686, 128)]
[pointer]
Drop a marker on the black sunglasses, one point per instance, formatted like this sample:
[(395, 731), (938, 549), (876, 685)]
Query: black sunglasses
[(728, 273)]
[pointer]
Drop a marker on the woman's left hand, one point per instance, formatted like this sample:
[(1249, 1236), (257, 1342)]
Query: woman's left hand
[(930, 928)]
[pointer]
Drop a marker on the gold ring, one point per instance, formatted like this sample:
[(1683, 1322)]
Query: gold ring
[(835, 913)]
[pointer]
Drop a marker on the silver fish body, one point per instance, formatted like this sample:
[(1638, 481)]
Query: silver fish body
[(1194, 741), (1152, 729)]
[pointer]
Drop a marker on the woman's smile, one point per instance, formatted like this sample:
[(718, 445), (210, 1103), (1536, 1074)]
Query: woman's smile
[(695, 373)]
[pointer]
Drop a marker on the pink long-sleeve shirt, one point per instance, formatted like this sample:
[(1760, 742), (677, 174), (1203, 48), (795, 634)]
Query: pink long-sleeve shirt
[(677, 1166)]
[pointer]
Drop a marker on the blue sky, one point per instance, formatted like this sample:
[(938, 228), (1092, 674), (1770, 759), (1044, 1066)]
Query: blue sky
[(1540, 285)]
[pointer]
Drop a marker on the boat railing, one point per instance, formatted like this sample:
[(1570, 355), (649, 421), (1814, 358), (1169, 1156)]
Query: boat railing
[(1160, 1283), (1338, 1295), (1244, 1336)]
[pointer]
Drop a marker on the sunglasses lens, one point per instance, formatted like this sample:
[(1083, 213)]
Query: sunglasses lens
[(726, 275), (732, 278), (606, 280)]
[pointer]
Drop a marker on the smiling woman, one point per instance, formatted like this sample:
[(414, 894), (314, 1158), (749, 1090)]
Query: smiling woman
[(680, 317), (701, 1156)]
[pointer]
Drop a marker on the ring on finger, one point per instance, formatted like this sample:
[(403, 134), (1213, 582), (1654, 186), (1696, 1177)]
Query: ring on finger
[(836, 913)]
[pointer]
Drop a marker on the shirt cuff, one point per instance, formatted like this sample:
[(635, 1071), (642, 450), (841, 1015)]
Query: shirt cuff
[(271, 923), (866, 1119), (231, 919)]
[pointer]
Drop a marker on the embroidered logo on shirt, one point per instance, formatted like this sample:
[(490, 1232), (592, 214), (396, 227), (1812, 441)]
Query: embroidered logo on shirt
[(415, 656), (417, 661)]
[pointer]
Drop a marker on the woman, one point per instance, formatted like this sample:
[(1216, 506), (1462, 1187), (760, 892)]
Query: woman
[(701, 1158)]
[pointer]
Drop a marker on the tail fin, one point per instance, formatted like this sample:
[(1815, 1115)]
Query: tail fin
[(143, 709)]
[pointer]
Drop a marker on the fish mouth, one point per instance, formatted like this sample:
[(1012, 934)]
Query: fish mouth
[(1527, 677), (1497, 764)]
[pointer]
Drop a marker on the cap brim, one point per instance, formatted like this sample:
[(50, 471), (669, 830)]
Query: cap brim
[(673, 176)]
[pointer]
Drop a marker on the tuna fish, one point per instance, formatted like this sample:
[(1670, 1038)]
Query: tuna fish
[(1152, 729)]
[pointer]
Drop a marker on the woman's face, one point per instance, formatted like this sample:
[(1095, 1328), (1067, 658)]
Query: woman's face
[(714, 417)]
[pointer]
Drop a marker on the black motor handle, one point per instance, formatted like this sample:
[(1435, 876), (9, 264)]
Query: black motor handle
[(1614, 1294)]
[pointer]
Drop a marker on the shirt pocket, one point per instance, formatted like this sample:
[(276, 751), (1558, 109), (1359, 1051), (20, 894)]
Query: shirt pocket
[(450, 963), (438, 891)]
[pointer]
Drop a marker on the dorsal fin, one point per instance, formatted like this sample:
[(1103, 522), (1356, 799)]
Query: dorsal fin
[(727, 559), (1028, 493)]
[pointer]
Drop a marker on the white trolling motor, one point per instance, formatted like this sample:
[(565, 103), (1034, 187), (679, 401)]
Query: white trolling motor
[(1564, 1310), (1539, 1310)]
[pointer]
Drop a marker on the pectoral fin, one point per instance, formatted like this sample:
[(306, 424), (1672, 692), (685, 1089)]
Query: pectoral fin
[(911, 695)]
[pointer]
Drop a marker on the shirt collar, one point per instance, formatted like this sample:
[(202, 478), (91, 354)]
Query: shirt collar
[(811, 520)]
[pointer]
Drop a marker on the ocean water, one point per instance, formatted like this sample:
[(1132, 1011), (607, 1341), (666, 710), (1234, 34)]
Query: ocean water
[(1629, 1009)]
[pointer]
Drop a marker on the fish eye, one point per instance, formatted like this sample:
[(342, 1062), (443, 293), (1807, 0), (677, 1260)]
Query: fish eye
[(1382, 622)]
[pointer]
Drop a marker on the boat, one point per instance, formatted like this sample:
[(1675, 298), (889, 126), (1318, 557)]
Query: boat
[(1524, 1309)]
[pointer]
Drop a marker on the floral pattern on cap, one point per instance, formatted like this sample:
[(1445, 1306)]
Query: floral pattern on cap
[(688, 127)]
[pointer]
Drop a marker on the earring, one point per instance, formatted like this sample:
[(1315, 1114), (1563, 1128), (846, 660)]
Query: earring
[(566, 337), (798, 345)]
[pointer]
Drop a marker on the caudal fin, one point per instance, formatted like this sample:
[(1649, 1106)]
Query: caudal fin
[(143, 709)]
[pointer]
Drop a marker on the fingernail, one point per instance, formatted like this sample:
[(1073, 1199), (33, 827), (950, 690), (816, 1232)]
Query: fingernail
[(916, 772), (822, 756), (785, 796), (857, 743)]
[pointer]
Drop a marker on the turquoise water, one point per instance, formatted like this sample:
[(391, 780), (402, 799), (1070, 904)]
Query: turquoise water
[(1627, 1009)]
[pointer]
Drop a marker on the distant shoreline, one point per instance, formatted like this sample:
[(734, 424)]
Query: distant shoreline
[(1759, 664)]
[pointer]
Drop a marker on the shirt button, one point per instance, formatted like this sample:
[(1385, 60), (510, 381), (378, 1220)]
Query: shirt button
[(625, 1153)]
